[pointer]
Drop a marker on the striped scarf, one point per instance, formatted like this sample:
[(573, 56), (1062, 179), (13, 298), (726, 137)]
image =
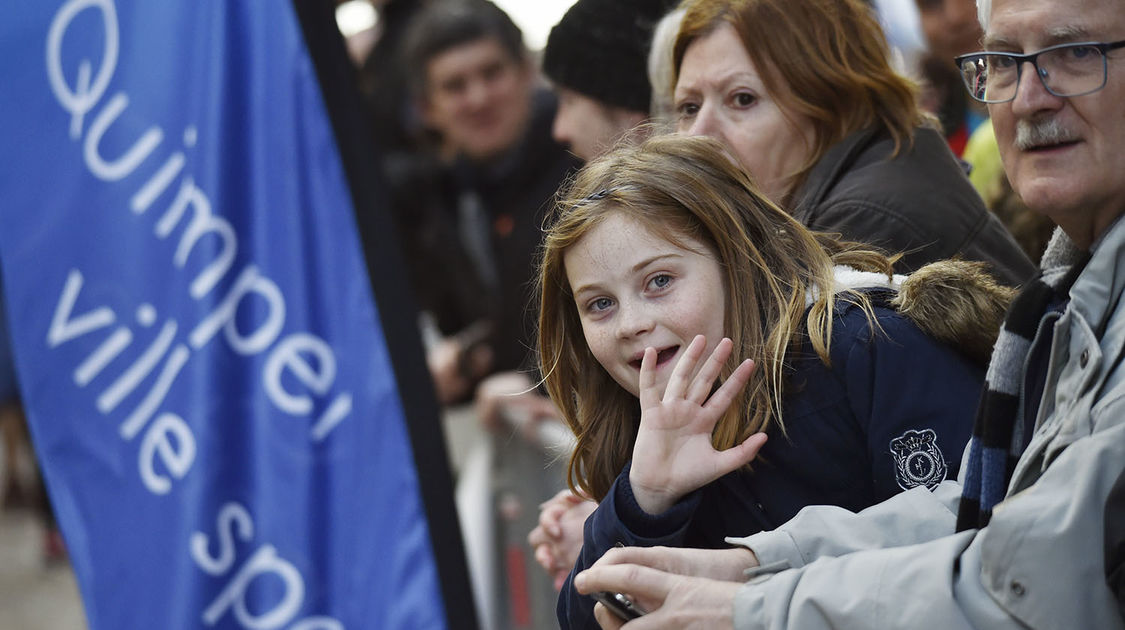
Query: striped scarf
[(1002, 428)]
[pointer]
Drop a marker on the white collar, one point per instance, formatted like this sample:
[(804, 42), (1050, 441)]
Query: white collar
[(846, 278)]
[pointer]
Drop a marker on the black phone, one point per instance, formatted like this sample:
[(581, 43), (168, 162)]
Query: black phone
[(619, 604)]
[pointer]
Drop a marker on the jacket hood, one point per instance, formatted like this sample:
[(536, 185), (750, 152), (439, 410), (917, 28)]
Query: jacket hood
[(958, 303)]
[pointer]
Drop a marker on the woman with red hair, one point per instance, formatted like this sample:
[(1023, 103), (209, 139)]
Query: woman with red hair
[(803, 95)]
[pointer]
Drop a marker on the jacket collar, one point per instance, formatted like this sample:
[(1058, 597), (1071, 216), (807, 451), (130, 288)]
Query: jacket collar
[(834, 164), (848, 279), (1099, 287), (843, 157)]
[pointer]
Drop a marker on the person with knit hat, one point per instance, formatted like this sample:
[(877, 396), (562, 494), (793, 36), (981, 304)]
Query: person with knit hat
[(596, 58)]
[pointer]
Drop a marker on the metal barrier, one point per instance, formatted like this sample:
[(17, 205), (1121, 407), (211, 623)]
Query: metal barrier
[(501, 481)]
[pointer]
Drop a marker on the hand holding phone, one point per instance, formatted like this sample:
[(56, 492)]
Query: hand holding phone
[(619, 604)]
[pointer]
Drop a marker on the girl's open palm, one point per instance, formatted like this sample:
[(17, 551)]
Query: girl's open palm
[(673, 454)]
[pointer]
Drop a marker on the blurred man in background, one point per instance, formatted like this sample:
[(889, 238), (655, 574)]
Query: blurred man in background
[(472, 228)]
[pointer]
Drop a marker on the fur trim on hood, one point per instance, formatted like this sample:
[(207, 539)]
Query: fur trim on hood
[(954, 301), (957, 302)]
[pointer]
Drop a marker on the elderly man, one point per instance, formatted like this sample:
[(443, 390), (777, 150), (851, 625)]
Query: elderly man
[(1027, 540)]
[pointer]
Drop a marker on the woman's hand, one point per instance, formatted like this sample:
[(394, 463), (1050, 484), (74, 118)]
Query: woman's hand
[(673, 454), (557, 539)]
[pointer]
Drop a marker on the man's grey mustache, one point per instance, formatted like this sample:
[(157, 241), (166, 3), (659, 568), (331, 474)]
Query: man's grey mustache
[(1042, 132)]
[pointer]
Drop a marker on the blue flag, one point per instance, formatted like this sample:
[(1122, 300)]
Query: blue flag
[(205, 369)]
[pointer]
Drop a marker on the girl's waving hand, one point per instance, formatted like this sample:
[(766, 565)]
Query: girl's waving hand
[(673, 454)]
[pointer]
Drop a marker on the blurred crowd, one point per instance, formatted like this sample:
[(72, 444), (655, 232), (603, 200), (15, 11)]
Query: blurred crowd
[(752, 255)]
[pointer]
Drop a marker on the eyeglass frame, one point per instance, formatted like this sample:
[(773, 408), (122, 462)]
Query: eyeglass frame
[(1033, 58)]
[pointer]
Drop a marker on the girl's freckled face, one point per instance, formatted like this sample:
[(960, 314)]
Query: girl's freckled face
[(634, 289)]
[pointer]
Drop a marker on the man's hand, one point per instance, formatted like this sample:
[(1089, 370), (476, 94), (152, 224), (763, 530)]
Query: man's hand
[(557, 539), (671, 601), (673, 455), (716, 564)]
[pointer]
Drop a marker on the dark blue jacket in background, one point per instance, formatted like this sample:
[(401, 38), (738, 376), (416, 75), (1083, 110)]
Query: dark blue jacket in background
[(856, 434)]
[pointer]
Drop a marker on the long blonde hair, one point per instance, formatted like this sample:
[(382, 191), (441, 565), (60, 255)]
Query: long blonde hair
[(681, 187)]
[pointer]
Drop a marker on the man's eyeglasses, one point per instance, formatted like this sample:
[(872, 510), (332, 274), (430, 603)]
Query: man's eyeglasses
[(1065, 70)]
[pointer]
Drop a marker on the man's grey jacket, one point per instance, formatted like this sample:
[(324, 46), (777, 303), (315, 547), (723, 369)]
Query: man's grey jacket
[(1039, 563)]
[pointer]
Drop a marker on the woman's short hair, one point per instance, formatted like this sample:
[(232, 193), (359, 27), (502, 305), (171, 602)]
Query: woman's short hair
[(825, 60)]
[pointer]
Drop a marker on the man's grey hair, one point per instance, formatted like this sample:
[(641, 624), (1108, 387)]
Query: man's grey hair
[(984, 9)]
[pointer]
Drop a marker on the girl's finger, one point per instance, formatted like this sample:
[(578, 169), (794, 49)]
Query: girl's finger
[(738, 456), (552, 530), (649, 396), (544, 557), (549, 518), (685, 367), (738, 379), (712, 367), (562, 495), (538, 536)]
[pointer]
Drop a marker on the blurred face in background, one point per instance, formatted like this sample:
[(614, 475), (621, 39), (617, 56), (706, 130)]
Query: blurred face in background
[(950, 26), (588, 126), (721, 94), (478, 97)]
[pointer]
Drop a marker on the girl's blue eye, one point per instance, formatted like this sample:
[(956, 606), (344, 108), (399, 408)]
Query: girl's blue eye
[(660, 281), (601, 304)]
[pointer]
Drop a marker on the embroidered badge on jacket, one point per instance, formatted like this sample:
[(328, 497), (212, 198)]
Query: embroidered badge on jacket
[(918, 461)]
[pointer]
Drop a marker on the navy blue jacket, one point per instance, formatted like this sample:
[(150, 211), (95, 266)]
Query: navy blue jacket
[(894, 411)]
